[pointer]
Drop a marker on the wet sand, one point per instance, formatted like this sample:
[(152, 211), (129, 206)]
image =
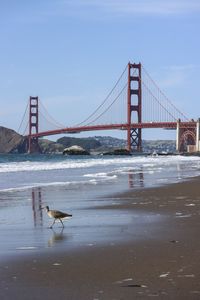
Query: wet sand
[(162, 264)]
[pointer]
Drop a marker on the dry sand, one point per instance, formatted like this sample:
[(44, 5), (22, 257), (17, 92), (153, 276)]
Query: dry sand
[(164, 265)]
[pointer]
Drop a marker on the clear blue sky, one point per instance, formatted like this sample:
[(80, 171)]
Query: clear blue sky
[(71, 52)]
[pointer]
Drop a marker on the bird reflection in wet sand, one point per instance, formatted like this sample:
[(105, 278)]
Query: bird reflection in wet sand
[(56, 237), (57, 215)]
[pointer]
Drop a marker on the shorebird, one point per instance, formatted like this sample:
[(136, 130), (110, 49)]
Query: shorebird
[(57, 215)]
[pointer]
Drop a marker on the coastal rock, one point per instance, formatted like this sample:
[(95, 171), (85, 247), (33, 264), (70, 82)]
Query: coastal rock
[(10, 141), (118, 152), (75, 150)]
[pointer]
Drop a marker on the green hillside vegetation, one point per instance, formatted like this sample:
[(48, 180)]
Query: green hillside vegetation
[(85, 143)]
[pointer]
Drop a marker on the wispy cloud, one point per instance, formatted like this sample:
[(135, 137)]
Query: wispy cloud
[(144, 7), (99, 9), (176, 75), (181, 68)]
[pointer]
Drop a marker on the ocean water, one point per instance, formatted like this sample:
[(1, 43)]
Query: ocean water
[(78, 185), (24, 172)]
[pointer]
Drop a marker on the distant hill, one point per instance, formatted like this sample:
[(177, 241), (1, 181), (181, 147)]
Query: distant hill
[(159, 145), (104, 143), (12, 142), (86, 143), (47, 146)]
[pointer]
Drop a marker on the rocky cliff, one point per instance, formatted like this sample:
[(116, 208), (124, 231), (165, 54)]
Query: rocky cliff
[(11, 141)]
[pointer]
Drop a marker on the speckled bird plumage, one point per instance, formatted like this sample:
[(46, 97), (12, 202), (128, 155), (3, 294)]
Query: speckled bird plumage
[(57, 215)]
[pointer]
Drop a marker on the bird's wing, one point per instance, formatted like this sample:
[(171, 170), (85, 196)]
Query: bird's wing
[(59, 214)]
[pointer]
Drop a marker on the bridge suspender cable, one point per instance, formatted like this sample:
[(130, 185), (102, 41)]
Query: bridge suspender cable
[(108, 106), (92, 114), (23, 118), (49, 118), (170, 102), (150, 92)]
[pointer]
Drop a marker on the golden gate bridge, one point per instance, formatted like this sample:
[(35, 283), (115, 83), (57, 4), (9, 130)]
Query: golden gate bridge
[(133, 104)]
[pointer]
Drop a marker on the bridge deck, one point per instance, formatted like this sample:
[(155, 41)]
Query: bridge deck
[(164, 125)]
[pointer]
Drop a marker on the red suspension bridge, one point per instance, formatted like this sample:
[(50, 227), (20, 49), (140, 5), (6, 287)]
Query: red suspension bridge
[(134, 103)]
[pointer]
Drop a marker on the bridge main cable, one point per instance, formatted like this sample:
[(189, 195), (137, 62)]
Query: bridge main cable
[(103, 102)]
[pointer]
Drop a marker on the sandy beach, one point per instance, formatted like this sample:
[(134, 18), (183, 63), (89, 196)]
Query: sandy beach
[(161, 260)]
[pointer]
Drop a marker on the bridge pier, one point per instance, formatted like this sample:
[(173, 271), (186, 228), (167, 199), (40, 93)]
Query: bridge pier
[(197, 136), (178, 135), (187, 137)]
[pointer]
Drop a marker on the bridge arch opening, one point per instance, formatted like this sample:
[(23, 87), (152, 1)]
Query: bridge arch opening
[(188, 137)]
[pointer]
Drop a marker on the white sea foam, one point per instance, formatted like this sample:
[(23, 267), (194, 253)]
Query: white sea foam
[(60, 183), (148, 162), (49, 184), (96, 175), (23, 175)]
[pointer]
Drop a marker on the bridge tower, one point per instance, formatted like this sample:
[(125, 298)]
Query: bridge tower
[(33, 145), (134, 106)]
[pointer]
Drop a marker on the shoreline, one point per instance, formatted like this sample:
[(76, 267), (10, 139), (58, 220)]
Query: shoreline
[(164, 263)]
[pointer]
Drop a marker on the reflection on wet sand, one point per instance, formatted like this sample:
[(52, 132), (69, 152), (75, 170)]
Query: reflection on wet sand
[(36, 207), (135, 179), (57, 237)]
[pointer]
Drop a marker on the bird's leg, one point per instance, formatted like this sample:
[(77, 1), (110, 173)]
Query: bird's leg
[(52, 223), (62, 223)]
